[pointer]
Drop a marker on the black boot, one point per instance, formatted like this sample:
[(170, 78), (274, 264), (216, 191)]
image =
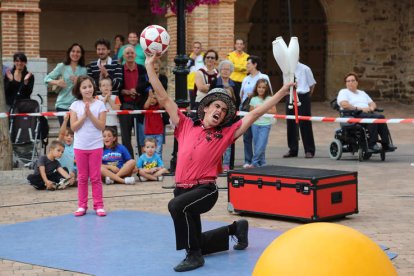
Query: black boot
[(193, 260), (242, 234)]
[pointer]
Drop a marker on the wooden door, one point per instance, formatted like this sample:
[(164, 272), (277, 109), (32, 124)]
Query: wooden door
[(269, 20)]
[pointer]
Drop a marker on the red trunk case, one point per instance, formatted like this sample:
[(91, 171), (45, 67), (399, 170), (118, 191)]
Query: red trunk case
[(297, 193)]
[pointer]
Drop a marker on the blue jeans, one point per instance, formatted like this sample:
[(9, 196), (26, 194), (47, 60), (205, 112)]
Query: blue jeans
[(141, 135), (260, 138), (248, 147), (160, 139), (226, 157)]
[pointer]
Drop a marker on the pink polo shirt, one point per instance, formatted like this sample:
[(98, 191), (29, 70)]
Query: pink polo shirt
[(197, 157)]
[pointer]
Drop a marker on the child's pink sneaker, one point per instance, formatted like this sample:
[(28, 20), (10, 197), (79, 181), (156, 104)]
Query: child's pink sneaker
[(80, 212), (101, 212)]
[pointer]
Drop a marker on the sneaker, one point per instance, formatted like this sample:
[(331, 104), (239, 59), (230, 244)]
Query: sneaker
[(242, 234), (160, 178), (51, 187), (108, 181), (129, 180), (80, 212), (246, 166), (142, 179), (63, 183), (193, 260), (375, 148), (100, 212)]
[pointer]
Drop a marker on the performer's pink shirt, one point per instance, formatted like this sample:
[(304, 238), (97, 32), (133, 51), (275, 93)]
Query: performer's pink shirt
[(197, 157)]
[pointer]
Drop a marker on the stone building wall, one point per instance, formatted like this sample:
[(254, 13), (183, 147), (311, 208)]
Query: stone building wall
[(384, 58)]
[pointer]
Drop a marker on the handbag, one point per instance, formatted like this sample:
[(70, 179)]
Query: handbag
[(56, 88), (246, 105)]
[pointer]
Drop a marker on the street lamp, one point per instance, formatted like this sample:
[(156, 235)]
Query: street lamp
[(181, 71)]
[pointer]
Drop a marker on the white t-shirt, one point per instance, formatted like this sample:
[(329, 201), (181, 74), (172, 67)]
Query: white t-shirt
[(249, 83), (304, 78), (358, 99), (88, 137), (111, 119)]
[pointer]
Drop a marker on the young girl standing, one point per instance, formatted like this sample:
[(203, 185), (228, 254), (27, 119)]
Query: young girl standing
[(87, 119), (261, 127)]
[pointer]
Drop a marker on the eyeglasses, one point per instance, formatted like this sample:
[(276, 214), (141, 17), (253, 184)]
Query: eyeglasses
[(210, 57), (350, 81)]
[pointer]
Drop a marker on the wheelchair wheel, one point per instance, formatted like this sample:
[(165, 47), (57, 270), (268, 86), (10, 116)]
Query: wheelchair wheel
[(335, 149), (367, 155)]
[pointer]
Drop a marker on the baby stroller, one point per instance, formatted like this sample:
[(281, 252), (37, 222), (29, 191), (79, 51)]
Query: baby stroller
[(353, 138), (28, 134)]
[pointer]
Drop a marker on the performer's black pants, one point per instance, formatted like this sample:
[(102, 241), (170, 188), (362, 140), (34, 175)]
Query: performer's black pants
[(305, 127), (185, 209)]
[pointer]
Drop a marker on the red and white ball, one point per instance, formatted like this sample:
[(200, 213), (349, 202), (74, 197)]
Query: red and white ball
[(154, 39)]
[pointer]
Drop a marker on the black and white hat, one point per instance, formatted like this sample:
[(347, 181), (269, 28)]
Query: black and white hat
[(218, 94)]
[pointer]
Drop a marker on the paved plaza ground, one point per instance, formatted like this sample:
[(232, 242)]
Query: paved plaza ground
[(385, 191)]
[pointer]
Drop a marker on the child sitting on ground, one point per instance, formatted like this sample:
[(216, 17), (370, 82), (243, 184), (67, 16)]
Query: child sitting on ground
[(117, 164), (67, 160), (48, 173), (149, 164), (111, 102)]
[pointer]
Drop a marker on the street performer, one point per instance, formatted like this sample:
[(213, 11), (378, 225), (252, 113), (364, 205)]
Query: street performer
[(201, 146)]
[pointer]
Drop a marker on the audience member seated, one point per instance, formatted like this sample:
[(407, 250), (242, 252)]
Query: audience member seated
[(18, 82), (350, 98), (150, 165), (48, 173), (117, 164), (67, 160)]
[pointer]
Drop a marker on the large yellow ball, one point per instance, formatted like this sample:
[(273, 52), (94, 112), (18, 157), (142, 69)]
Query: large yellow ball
[(321, 249)]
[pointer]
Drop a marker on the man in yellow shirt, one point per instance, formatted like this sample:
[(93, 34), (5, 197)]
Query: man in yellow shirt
[(239, 59), (196, 62)]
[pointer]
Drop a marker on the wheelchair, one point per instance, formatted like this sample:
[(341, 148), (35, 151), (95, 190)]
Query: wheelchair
[(353, 138)]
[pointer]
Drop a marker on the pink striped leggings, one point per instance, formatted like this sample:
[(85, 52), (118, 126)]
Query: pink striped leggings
[(89, 166)]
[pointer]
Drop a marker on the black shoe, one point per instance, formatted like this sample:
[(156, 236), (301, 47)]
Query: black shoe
[(193, 260), (309, 155), (242, 234), (389, 147), (290, 154)]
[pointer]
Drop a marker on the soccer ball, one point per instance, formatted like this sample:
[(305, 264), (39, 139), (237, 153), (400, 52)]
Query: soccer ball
[(154, 39)]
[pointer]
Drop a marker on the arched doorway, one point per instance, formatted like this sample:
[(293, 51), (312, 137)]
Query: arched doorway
[(269, 19)]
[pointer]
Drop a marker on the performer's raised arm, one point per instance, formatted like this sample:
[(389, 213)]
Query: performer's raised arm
[(162, 95)]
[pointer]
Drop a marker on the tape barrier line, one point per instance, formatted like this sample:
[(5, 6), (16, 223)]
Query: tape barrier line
[(239, 113)]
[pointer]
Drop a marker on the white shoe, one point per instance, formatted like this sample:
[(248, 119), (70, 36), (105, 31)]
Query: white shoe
[(129, 180), (246, 166), (108, 180), (143, 178), (63, 183), (160, 178)]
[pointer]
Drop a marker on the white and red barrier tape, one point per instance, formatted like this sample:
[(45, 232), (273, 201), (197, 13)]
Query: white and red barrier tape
[(241, 113)]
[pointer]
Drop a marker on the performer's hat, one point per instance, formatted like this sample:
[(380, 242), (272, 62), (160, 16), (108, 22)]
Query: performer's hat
[(218, 94)]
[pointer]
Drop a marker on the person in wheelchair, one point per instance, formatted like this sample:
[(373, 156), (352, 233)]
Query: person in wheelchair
[(350, 98)]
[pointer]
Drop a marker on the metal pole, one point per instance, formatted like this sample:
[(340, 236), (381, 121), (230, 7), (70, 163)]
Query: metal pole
[(290, 19), (180, 71)]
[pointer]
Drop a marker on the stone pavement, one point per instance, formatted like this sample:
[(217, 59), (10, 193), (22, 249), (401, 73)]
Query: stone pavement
[(385, 192)]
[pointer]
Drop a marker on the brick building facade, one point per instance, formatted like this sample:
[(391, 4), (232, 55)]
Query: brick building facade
[(373, 38)]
